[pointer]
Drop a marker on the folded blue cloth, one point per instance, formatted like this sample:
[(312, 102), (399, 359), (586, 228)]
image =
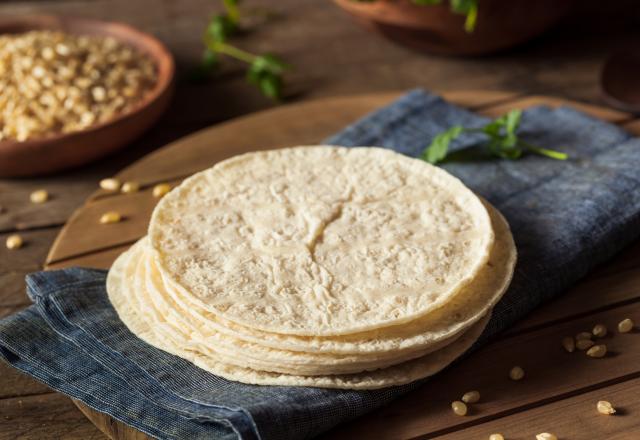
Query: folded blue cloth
[(566, 216)]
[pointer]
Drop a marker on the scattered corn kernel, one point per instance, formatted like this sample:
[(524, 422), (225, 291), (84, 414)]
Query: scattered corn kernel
[(599, 331), (584, 344), (161, 189), (546, 436), (496, 437), (625, 326), (471, 397), (460, 408), (583, 336), (39, 196), (14, 241), (597, 351), (605, 407), (110, 217), (569, 344), (130, 187), (516, 373), (110, 184)]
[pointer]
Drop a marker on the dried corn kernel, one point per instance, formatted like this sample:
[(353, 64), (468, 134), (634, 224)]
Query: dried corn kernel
[(471, 397), (625, 326), (599, 331), (14, 241), (516, 373), (569, 344), (605, 407), (584, 344), (597, 351), (496, 437), (583, 336), (459, 408), (110, 217), (130, 187), (39, 196), (546, 436), (110, 184), (161, 189)]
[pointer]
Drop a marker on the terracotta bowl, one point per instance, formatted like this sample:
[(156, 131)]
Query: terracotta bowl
[(57, 152), (435, 29)]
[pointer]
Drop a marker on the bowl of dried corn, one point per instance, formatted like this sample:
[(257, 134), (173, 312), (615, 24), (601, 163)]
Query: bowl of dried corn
[(75, 90)]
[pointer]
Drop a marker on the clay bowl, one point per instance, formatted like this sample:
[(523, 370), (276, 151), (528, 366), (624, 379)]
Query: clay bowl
[(501, 24), (61, 151), (620, 80)]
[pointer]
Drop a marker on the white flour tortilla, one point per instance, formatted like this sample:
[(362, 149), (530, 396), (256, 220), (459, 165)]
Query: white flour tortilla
[(464, 309), (137, 321), (319, 241)]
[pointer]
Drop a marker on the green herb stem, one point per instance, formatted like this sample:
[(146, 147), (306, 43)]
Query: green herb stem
[(558, 155), (231, 51)]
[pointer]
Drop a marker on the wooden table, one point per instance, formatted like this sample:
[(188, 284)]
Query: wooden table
[(307, 33)]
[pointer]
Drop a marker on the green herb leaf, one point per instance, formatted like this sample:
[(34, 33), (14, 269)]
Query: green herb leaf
[(266, 72), (503, 140), (220, 28), (439, 147)]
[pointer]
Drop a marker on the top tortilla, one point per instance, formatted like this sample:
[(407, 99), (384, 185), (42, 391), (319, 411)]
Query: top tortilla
[(321, 240)]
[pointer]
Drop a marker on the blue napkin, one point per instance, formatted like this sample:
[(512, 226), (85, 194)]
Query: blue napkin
[(566, 216)]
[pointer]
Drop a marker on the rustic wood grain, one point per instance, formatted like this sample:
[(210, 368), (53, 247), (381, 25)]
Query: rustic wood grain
[(571, 418), (17, 384), (551, 374), (55, 417), (19, 262)]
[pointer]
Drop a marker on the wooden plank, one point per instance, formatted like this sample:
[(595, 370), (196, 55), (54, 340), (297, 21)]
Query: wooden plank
[(633, 127), (592, 294), (19, 262), (109, 426), (97, 260), (47, 416), (10, 310), (575, 417), (551, 374), (17, 384), (83, 233)]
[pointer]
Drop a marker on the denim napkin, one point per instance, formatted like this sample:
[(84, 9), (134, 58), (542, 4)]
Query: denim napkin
[(566, 216)]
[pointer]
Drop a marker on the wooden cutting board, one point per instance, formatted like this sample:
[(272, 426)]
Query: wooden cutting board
[(519, 408)]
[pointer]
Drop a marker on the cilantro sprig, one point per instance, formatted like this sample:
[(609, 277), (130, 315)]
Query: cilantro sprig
[(502, 140), (265, 70)]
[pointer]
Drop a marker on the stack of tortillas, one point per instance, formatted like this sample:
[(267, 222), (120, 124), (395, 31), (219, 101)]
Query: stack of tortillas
[(316, 266)]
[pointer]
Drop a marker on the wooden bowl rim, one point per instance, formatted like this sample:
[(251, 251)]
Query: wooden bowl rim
[(148, 44)]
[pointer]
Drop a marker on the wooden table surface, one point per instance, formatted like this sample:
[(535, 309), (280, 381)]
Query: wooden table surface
[(331, 57)]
